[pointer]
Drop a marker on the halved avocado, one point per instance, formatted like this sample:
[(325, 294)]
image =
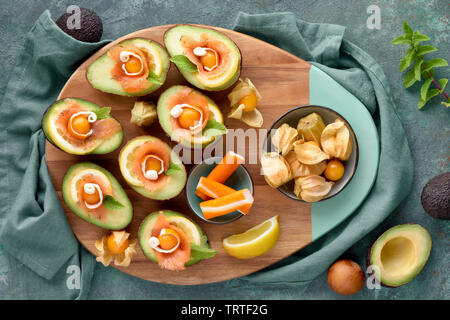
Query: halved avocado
[(164, 117), (173, 41), (99, 72), (55, 136), (189, 227), (116, 219), (175, 182), (400, 253)]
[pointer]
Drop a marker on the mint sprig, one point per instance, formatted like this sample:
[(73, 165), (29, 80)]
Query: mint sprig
[(111, 203), (214, 128), (173, 168), (183, 63), (419, 67), (102, 113), (152, 77)]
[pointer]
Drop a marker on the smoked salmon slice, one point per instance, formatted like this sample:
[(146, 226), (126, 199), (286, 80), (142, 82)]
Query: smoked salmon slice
[(101, 129), (153, 147), (106, 189), (174, 260)]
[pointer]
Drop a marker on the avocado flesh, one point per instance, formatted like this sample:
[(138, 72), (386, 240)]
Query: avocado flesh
[(172, 40), (189, 227), (115, 219), (400, 252), (164, 118), (99, 72), (174, 183), (50, 130)]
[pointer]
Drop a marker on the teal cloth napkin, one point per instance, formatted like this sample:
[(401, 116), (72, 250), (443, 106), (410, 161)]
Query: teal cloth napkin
[(42, 250), (43, 254), (323, 45)]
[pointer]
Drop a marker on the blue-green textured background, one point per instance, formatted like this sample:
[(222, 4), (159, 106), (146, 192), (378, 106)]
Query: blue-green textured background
[(428, 130)]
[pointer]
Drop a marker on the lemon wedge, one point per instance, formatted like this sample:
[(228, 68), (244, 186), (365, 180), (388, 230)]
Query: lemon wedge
[(126, 158), (255, 241)]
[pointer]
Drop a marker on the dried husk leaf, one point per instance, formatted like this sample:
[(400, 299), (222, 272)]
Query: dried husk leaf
[(302, 170), (275, 168), (106, 257), (336, 140), (312, 188), (143, 113), (309, 153), (252, 118), (283, 139)]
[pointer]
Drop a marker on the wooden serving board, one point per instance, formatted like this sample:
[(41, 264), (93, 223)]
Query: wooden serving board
[(283, 80)]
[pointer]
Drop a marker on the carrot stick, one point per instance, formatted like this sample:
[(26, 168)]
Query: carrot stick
[(216, 190), (229, 203), (223, 170)]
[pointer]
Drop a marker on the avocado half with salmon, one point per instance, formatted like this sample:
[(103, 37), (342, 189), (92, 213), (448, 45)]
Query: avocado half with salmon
[(93, 194), (152, 168), (80, 127), (189, 117), (206, 58), (400, 254), (158, 232), (134, 67)]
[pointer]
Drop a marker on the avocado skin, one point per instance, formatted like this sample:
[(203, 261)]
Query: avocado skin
[(436, 197), (91, 26), (369, 255)]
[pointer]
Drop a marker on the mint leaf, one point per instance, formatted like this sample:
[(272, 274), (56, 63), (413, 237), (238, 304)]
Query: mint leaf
[(173, 168), (152, 77), (417, 70), (447, 104), (214, 128), (419, 37), (435, 63), (111, 203), (443, 83), (424, 88), (407, 59), (401, 40), (406, 28), (183, 63), (199, 253), (422, 50), (409, 79), (102, 113)]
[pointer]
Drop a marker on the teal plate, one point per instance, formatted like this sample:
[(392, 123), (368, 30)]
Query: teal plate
[(240, 179), (327, 214)]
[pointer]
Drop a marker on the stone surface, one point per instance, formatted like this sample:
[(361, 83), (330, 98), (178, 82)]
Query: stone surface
[(428, 130)]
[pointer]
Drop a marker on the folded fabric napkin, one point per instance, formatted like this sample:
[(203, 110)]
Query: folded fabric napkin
[(42, 251), (41, 248)]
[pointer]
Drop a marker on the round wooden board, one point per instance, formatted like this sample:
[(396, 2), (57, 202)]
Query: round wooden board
[(283, 80)]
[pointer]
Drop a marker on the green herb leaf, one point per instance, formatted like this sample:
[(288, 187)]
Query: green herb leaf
[(422, 50), (183, 63), (406, 28), (447, 104), (401, 40), (417, 70), (152, 77), (407, 59), (424, 88), (173, 168), (102, 113), (409, 79), (435, 63), (421, 103), (199, 253), (419, 37), (111, 203), (214, 128), (443, 83)]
